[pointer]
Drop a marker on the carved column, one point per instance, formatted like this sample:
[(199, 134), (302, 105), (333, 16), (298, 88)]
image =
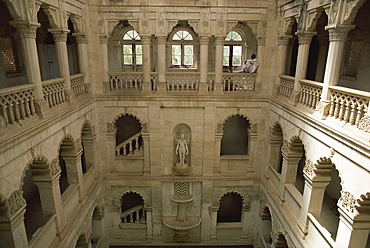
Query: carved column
[(203, 84), (60, 38), (246, 217), (27, 34), (48, 185), (217, 153), (98, 230), (213, 210), (316, 179), (104, 61), (283, 44), (161, 88), (354, 221), (74, 169), (252, 146), (323, 51), (145, 41), (111, 145), (337, 38), (83, 60), (12, 228), (149, 224), (261, 41), (219, 42), (145, 136), (304, 41)]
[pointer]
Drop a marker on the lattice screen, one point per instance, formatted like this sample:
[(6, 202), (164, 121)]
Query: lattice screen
[(353, 59), (7, 52), (182, 188)]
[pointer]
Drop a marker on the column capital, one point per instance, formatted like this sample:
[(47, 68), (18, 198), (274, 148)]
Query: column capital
[(261, 40), (284, 40), (59, 35), (338, 33), (145, 39), (103, 39), (304, 38), (204, 40), (81, 38), (161, 40), (26, 29), (219, 39)]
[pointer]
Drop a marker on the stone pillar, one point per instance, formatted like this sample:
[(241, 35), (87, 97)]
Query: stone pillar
[(83, 60), (149, 224), (214, 211), (246, 217), (74, 170), (219, 42), (104, 61), (146, 86), (323, 51), (145, 136), (261, 41), (203, 83), (161, 87), (283, 59), (60, 38), (50, 197), (12, 228), (98, 230), (217, 153), (354, 221), (40, 39), (337, 38), (252, 146), (27, 34), (304, 41)]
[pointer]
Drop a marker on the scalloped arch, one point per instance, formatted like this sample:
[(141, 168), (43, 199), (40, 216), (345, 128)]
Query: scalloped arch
[(228, 192), (42, 162), (144, 197), (129, 114), (232, 115)]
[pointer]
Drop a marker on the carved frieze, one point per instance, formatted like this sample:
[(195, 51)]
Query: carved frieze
[(348, 201)]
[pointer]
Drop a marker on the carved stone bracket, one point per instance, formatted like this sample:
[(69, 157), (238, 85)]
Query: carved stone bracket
[(348, 202), (54, 168), (364, 124), (111, 127), (309, 169), (16, 202), (313, 16)]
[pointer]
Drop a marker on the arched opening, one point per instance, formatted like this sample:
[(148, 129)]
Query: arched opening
[(230, 208), (323, 42), (132, 208), (128, 137), (275, 139), (11, 67), (329, 217), (294, 50), (266, 226), (96, 226), (312, 58), (299, 181), (33, 218), (67, 161), (87, 142), (280, 241), (235, 140)]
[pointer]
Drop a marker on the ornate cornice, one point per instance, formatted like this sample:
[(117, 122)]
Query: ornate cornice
[(26, 29)]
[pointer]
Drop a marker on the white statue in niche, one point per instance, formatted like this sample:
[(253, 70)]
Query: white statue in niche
[(182, 149)]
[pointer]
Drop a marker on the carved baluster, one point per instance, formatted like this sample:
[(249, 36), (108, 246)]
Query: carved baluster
[(359, 114), (11, 114), (346, 112), (137, 143), (28, 111), (337, 106), (5, 114), (137, 216), (342, 109), (32, 106), (301, 96), (353, 112), (17, 114), (22, 110), (49, 99), (130, 147), (332, 105)]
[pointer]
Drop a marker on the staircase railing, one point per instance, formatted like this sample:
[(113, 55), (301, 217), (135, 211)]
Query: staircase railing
[(135, 215), (130, 146)]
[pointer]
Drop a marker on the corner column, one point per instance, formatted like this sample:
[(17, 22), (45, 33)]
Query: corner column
[(161, 88), (60, 38), (27, 33), (304, 41), (145, 41), (104, 57), (203, 84), (337, 38), (219, 42)]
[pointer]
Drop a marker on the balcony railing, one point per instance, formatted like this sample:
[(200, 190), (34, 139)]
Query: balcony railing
[(125, 81), (17, 103), (239, 82), (54, 91), (310, 93), (286, 86), (348, 105), (182, 81), (78, 85)]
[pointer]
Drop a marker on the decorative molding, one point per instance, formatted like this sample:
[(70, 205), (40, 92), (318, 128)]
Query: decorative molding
[(339, 33), (16, 201), (348, 201), (254, 127), (26, 29), (111, 127), (309, 169), (116, 203), (59, 35), (304, 38), (54, 167), (81, 38), (364, 124), (219, 128)]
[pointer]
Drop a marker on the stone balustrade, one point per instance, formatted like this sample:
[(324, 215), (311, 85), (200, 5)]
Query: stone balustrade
[(78, 85), (182, 81), (135, 215), (131, 146), (348, 105), (239, 81), (54, 91), (17, 103), (125, 81), (286, 86), (310, 93)]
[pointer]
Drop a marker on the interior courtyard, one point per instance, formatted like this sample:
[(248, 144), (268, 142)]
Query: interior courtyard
[(194, 123)]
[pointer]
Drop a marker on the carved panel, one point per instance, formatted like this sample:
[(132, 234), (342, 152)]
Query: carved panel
[(16, 201), (348, 201)]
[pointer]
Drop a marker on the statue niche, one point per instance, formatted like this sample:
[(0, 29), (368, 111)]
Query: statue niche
[(182, 149)]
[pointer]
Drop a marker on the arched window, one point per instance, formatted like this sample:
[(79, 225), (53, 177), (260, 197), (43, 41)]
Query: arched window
[(235, 139), (182, 49), (230, 208), (133, 208), (233, 49), (128, 137), (132, 49)]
